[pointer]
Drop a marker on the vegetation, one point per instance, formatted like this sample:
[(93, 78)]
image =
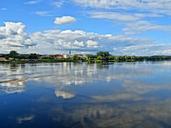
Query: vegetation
[(13, 54), (100, 57)]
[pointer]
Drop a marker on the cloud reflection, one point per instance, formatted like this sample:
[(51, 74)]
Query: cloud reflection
[(136, 79), (12, 86), (23, 119), (93, 98), (64, 94)]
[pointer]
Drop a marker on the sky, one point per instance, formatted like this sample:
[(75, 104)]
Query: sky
[(122, 27)]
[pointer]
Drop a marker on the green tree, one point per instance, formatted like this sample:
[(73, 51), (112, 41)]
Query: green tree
[(13, 54), (90, 58), (103, 56), (33, 56), (76, 58)]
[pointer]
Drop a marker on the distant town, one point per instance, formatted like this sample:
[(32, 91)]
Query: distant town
[(99, 57)]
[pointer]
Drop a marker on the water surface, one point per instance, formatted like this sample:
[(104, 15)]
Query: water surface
[(68, 95)]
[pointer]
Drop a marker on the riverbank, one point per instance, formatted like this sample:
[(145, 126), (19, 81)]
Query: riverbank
[(119, 59), (100, 57)]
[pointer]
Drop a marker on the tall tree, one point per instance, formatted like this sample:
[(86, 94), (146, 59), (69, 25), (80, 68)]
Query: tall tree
[(13, 54), (103, 56)]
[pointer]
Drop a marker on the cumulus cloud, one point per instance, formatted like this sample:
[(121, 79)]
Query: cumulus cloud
[(91, 43), (13, 36), (67, 39), (64, 20), (85, 41)]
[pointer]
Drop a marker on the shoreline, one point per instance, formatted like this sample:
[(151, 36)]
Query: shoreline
[(99, 57), (92, 62)]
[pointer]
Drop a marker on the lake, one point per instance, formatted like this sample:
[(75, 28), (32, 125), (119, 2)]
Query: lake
[(68, 95)]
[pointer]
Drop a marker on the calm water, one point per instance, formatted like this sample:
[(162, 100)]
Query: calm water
[(67, 95)]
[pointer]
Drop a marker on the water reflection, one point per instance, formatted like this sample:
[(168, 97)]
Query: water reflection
[(12, 86), (64, 94), (25, 119), (68, 95)]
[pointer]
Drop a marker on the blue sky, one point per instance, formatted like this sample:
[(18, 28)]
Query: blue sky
[(125, 27)]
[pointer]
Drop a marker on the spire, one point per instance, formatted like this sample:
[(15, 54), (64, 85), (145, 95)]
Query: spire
[(70, 52)]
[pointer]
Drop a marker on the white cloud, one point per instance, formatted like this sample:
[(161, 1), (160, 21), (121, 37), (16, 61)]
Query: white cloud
[(58, 3), (133, 23), (43, 13), (139, 27), (136, 16), (95, 3), (143, 26), (148, 49), (13, 36), (84, 41), (91, 43), (62, 40), (31, 2), (122, 16), (64, 20), (114, 16), (161, 6)]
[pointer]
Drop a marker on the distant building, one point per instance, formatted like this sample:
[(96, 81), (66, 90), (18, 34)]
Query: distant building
[(70, 52), (57, 56), (67, 56)]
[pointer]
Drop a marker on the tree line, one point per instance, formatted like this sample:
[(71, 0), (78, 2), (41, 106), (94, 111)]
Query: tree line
[(100, 57), (107, 57)]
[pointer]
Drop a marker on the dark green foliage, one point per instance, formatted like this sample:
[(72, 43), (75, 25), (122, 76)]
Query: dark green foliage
[(103, 54), (100, 57), (13, 54), (33, 56), (76, 58)]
